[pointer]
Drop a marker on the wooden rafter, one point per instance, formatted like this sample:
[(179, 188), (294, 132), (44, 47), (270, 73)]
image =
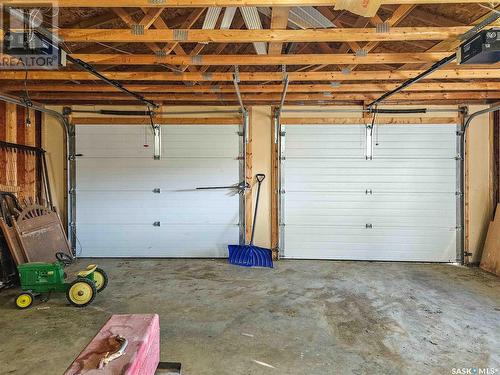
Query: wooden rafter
[(208, 3), (385, 75), (279, 20), (276, 88), (194, 59), (250, 36), (272, 97), (399, 14)]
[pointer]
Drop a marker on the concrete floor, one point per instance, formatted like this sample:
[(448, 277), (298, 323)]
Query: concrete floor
[(303, 317)]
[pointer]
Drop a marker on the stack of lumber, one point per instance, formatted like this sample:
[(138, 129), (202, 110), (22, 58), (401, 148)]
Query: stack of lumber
[(490, 260)]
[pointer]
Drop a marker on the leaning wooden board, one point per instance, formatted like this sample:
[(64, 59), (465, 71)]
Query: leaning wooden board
[(142, 354), (490, 260)]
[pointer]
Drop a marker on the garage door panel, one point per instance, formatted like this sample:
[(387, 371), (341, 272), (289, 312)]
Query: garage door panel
[(383, 218), (370, 244), (145, 208), (148, 174), (124, 141), (148, 241), (299, 204), (317, 141), (416, 187)]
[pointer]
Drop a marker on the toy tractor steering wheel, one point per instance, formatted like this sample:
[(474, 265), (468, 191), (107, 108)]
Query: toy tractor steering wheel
[(64, 258)]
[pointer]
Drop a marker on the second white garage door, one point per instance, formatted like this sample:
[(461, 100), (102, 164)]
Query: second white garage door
[(129, 205), (399, 206)]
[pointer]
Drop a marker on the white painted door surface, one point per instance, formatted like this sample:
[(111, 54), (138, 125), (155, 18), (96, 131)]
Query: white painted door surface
[(400, 206), (117, 205)]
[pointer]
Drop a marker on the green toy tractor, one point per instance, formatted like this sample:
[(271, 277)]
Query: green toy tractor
[(37, 278)]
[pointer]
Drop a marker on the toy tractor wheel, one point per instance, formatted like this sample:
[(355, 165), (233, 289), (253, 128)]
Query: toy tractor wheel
[(100, 279), (24, 300), (81, 292)]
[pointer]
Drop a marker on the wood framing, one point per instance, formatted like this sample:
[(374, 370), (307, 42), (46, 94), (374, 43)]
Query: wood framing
[(227, 88), (387, 75), (261, 35), (208, 3), (11, 136), (366, 119), (274, 189), (249, 180), (275, 97), (230, 60), (158, 120)]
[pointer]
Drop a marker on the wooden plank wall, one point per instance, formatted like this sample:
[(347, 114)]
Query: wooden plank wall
[(20, 171)]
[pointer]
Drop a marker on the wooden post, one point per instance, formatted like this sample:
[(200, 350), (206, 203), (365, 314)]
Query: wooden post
[(249, 180), (3, 153), (11, 136), (30, 158), (274, 190)]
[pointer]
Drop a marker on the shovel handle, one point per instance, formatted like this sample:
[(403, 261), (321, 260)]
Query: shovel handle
[(260, 177)]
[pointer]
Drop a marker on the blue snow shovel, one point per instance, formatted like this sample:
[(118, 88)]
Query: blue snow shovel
[(251, 255)]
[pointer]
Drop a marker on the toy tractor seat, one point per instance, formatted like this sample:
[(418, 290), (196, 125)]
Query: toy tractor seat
[(86, 272)]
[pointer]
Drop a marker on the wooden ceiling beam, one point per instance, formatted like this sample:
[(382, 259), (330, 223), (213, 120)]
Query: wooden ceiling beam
[(399, 15), (272, 97), (279, 20), (209, 3), (227, 88), (385, 75), (310, 59), (267, 35)]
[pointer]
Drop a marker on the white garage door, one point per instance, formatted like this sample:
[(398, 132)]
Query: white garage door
[(399, 206), (117, 206)]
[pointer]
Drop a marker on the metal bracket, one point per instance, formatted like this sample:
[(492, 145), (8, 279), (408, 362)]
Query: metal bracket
[(361, 52), (180, 35), (157, 2), (197, 59), (207, 76), (383, 27), (369, 142), (237, 74), (161, 54), (157, 142), (369, 191), (157, 190), (369, 226), (137, 29), (156, 224)]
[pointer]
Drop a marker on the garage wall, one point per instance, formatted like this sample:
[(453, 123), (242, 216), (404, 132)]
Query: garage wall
[(261, 154), (478, 191), (53, 142), (261, 122)]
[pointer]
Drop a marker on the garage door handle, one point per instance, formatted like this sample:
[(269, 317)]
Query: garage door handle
[(156, 224), (241, 187)]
